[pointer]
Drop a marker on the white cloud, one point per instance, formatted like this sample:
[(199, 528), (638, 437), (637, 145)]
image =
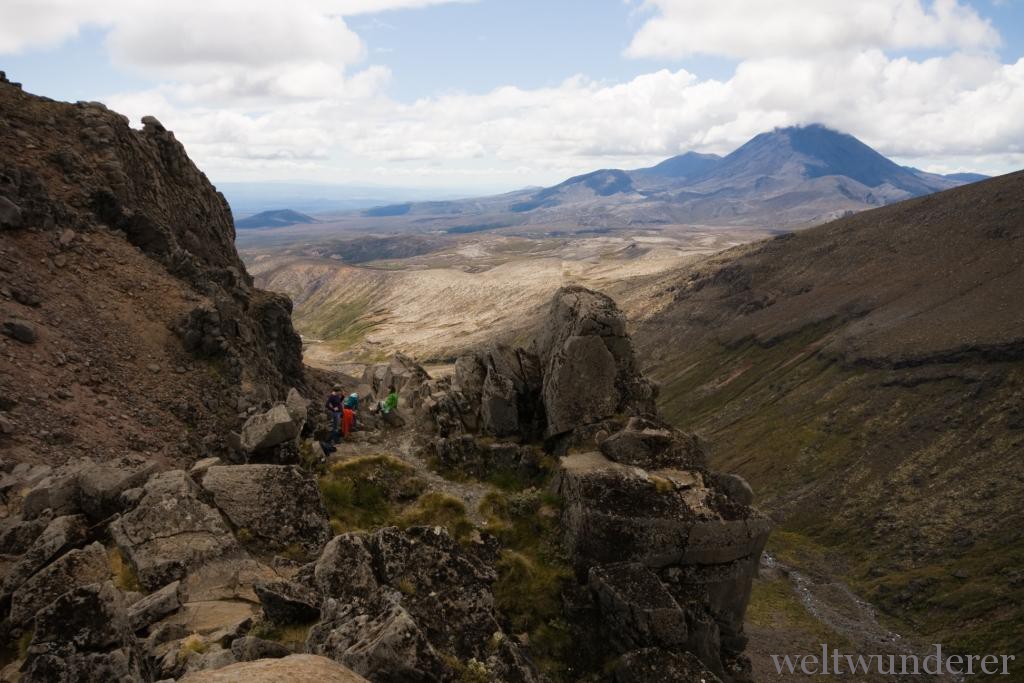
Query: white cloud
[(275, 90), (957, 106), (759, 28)]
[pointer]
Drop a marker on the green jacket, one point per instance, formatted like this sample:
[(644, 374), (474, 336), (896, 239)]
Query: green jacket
[(390, 403)]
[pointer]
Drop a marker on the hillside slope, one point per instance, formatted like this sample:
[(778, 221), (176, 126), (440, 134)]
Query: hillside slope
[(867, 377), (130, 324)]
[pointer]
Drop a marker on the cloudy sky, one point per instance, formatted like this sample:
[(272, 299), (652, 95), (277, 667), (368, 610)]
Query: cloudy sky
[(498, 94)]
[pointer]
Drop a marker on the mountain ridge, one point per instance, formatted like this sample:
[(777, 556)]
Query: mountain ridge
[(788, 178), (274, 218)]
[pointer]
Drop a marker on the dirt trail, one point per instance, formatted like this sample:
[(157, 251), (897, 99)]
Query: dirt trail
[(834, 605)]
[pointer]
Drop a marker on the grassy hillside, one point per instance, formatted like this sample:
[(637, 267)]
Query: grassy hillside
[(867, 377)]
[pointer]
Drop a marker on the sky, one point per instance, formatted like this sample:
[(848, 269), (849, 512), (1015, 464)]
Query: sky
[(493, 95)]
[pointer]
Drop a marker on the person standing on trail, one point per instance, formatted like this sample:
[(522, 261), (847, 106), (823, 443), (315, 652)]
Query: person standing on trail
[(348, 419), (335, 407), (389, 403), (351, 403)]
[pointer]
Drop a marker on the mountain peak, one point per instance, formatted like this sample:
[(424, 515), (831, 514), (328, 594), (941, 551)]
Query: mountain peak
[(813, 151)]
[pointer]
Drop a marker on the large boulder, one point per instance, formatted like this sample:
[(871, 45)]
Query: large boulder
[(294, 669), (59, 536), (588, 363), (612, 512), (84, 636), (391, 620), (155, 606), (100, 485), (651, 445), (288, 602), (170, 530), (279, 506), (266, 430), (75, 568)]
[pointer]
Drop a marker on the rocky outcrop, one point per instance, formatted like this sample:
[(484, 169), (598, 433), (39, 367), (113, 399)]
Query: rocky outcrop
[(589, 366), (667, 548), (79, 169), (389, 619), (171, 530), (83, 635), (278, 506), (663, 547)]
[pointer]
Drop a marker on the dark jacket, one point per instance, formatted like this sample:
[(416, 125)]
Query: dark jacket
[(335, 403)]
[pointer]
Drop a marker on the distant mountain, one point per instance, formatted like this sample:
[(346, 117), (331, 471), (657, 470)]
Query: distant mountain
[(967, 177), (273, 219), (681, 167), (317, 199), (787, 178)]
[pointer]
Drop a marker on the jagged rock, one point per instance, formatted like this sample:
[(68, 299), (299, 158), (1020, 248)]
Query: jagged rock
[(250, 648), (378, 639), (617, 513), (10, 214), (636, 609), (17, 534), (155, 606), (655, 665), (170, 530), (199, 469), (57, 493), (100, 486), (498, 405), (647, 444), (345, 568), (387, 618), (83, 635), (734, 486), (297, 407), (294, 669), (279, 505), (401, 372), (71, 570), (20, 330), (288, 602), (266, 430), (588, 363), (59, 536)]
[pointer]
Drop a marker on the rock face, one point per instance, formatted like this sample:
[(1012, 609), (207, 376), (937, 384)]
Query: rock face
[(409, 605), (83, 636), (663, 547), (589, 367), (278, 505), (171, 530), (75, 178), (266, 430)]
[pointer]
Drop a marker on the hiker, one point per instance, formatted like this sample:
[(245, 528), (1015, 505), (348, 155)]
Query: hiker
[(352, 403), (348, 419), (335, 407), (388, 404)]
